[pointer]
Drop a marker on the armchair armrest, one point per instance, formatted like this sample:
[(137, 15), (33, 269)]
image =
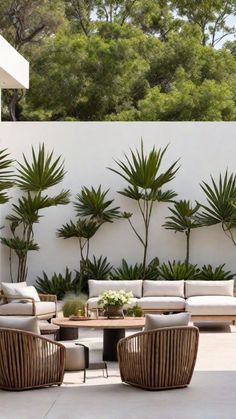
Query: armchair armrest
[(19, 297), (49, 297)]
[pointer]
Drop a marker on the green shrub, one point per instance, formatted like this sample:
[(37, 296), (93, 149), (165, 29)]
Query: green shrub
[(208, 273), (98, 268), (74, 305), (58, 284), (131, 272), (178, 270)]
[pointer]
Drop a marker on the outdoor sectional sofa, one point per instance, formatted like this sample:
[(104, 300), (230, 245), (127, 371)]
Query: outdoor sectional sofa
[(205, 300)]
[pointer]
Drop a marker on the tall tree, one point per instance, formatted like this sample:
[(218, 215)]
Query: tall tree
[(22, 23), (210, 16)]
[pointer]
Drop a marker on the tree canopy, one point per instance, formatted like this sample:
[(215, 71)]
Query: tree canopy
[(123, 60)]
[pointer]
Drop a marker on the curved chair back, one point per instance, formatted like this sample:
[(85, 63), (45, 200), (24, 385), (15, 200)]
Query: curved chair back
[(28, 360), (159, 359)]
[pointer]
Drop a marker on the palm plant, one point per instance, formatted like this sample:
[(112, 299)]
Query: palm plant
[(183, 220), (32, 179), (208, 273), (136, 271), (145, 183), (92, 209), (5, 175), (221, 208)]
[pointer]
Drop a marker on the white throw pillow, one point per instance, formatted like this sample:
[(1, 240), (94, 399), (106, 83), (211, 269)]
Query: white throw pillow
[(158, 321), (11, 289), (29, 292), (29, 324)]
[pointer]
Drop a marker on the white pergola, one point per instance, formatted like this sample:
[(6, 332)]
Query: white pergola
[(14, 69)]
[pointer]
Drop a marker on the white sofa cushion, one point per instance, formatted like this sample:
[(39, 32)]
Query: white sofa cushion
[(211, 305), (28, 292), (25, 309), (163, 288), (162, 303), (92, 303), (29, 324), (11, 289), (158, 321), (195, 288), (96, 288)]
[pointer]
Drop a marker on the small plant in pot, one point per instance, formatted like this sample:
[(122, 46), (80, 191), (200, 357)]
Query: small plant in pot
[(135, 311), (113, 302), (74, 305)]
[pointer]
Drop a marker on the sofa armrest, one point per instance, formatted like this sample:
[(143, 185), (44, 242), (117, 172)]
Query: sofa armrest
[(49, 297), (19, 297)]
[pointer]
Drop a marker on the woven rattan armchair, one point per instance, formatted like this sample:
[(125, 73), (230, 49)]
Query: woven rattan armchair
[(28, 360), (159, 359)]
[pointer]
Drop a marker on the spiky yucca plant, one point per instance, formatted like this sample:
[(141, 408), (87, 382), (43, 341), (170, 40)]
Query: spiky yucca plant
[(178, 270), (145, 182), (93, 209), (221, 204), (183, 220), (32, 178)]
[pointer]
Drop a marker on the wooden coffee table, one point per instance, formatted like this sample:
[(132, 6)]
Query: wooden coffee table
[(113, 331)]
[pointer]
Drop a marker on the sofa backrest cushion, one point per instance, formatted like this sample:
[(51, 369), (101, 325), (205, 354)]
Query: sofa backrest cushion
[(98, 287), (195, 288), (158, 321), (28, 324), (163, 288)]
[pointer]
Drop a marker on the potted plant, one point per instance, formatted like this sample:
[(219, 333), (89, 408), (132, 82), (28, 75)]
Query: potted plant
[(113, 302)]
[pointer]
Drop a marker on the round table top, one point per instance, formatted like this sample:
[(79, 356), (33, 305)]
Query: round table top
[(102, 323)]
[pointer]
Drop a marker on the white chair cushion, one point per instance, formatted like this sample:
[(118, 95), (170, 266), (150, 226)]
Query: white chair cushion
[(29, 324), (166, 303), (26, 292), (12, 289), (25, 309), (158, 321), (75, 356), (96, 288), (92, 303), (211, 305), (195, 288), (163, 288)]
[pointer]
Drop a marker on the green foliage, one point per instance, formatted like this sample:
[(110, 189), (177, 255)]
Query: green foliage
[(32, 178), (58, 284), (92, 203), (5, 175), (131, 272), (208, 273), (142, 173), (122, 60), (221, 199), (98, 268), (177, 271), (183, 220), (74, 305), (135, 311)]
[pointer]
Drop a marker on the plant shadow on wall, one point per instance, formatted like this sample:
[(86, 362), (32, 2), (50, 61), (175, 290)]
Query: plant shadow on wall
[(33, 179)]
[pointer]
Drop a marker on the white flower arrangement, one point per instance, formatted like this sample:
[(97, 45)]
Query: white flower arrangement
[(114, 298)]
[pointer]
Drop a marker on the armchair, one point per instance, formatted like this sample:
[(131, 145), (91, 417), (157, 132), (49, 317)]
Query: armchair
[(159, 359), (46, 308), (28, 360)]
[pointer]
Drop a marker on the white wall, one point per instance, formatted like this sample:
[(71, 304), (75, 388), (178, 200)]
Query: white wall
[(14, 69), (88, 149)]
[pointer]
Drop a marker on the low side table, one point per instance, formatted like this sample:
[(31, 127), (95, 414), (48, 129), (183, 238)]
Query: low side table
[(49, 329)]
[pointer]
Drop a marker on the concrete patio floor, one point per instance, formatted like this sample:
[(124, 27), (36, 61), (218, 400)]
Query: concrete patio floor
[(211, 394)]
